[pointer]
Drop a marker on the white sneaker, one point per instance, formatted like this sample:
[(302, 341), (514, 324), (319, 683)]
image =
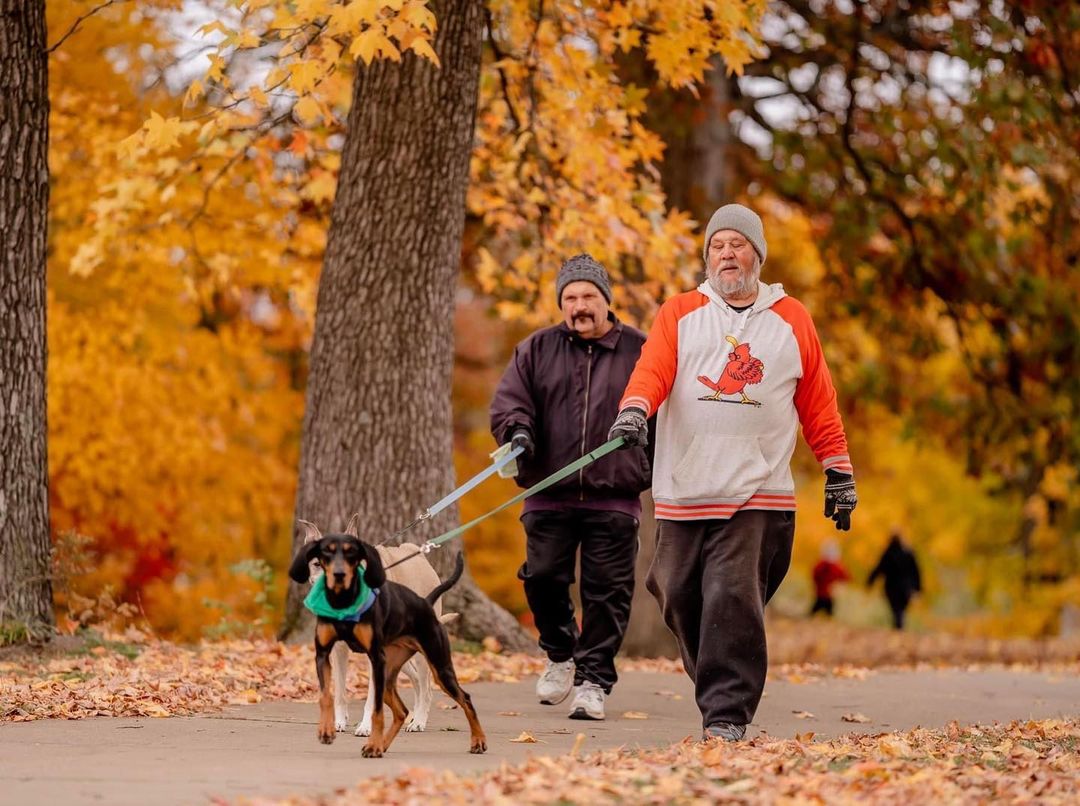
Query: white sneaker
[(555, 683), (588, 702)]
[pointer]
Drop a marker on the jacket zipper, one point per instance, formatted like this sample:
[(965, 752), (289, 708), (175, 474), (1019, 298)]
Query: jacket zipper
[(585, 424)]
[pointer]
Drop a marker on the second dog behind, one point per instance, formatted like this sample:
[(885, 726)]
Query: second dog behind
[(416, 574)]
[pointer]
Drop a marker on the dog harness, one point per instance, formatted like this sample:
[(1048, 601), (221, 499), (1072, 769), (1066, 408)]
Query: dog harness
[(316, 602)]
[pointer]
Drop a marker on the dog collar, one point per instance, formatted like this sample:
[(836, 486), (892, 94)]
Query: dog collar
[(316, 602)]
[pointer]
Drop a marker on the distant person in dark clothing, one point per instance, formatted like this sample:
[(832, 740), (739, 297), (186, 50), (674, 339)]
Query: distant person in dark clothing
[(901, 572), (827, 573)]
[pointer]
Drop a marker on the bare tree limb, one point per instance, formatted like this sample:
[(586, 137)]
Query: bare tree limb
[(78, 22)]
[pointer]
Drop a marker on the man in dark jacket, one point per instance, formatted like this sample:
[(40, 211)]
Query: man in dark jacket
[(556, 399), (901, 573)]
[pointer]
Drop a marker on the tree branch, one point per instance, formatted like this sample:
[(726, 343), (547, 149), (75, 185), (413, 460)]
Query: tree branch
[(78, 22)]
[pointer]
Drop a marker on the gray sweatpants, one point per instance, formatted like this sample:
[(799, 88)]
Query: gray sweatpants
[(712, 579)]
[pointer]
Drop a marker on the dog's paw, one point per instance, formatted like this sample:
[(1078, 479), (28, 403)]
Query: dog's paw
[(415, 725), (327, 737), (341, 724), (363, 729), (372, 750), (478, 746)]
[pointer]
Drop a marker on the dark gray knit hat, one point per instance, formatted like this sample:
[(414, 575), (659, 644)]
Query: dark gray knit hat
[(582, 267), (741, 219)]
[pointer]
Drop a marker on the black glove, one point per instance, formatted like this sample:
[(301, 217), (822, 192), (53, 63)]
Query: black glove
[(840, 498), (522, 439), (632, 427)]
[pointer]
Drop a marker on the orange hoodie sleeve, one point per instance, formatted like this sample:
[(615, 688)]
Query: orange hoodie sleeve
[(815, 395), (654, 373)]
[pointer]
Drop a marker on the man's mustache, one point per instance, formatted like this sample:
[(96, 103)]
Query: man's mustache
[(583, 315)]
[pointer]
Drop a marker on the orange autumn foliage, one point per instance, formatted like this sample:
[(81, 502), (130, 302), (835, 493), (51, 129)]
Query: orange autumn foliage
[(175, 372), (184, 260)]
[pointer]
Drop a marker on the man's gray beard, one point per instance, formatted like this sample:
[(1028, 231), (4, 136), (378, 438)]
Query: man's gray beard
[(744, 286)]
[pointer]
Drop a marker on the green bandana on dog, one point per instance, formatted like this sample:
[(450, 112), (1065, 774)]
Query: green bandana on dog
[(317, 604)]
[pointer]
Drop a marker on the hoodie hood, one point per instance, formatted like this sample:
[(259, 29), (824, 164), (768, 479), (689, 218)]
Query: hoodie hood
[(768, 295)]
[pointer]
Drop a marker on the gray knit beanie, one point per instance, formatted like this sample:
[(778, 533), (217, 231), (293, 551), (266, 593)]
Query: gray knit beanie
[(582, 267), (741, 219)]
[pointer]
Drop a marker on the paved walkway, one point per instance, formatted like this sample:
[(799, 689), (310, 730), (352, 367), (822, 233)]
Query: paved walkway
[(270, 749)]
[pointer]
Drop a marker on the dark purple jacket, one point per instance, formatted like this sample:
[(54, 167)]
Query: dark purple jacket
[(565, 391)]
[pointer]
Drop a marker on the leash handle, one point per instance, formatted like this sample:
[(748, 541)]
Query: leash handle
[(554, 478), (454, 495), (490, 470)]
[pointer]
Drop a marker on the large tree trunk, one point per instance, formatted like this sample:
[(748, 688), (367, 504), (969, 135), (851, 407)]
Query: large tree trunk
[(25, 587), (698, 172), (377, 427)]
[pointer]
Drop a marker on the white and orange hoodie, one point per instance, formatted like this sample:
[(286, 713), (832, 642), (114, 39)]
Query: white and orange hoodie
[(724, 443)]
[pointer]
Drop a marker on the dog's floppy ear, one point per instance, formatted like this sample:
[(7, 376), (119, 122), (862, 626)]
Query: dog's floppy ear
[(311, 531), (374, 574), (354, 526), (299, 571)]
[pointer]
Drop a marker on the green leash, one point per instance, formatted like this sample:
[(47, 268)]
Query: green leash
[(554, 478)]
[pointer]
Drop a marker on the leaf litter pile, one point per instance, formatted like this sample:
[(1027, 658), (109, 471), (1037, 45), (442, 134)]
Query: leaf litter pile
[(1019, 763), (159, 679), (133, 675)]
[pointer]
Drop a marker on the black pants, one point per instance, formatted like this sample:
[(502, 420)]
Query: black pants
[(898, 603), (822, 604), (608, 542), (712, 579)]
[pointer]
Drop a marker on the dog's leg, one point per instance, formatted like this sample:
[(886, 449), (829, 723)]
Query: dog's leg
[(374, 747), (341, 696), (436, 647), (396, 655), (364, 728), (325, 637), (420, 676)]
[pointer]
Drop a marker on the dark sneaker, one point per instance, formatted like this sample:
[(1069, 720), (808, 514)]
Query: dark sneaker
[(724, 731)]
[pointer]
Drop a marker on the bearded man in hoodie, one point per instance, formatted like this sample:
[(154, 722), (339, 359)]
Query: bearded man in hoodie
[(731, 370)]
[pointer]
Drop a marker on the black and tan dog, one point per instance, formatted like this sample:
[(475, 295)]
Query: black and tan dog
[(398, 624)]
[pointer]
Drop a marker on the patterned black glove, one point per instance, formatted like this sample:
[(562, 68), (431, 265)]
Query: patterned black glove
[(840, 498), (632, 427), (522, 439)]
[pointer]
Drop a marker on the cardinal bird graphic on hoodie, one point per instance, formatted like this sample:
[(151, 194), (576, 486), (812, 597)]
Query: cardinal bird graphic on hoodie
[(767, 364), (742, 370)]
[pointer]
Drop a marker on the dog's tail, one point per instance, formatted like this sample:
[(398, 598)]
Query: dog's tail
[(459, 568)]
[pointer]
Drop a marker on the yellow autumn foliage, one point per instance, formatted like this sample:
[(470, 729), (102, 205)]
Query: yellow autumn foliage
[(189, 209)]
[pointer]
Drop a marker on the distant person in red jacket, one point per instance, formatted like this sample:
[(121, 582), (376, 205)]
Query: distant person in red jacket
[(827, 573)]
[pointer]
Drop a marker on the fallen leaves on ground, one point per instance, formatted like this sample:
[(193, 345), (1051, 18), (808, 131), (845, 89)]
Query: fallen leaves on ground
[(1018, 763), (579, 742), (855, 717), (164, 679), (525, 738), (671, 695), (830, 644)]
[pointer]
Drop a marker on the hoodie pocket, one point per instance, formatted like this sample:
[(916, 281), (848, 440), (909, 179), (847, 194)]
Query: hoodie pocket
[(716, 468)]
